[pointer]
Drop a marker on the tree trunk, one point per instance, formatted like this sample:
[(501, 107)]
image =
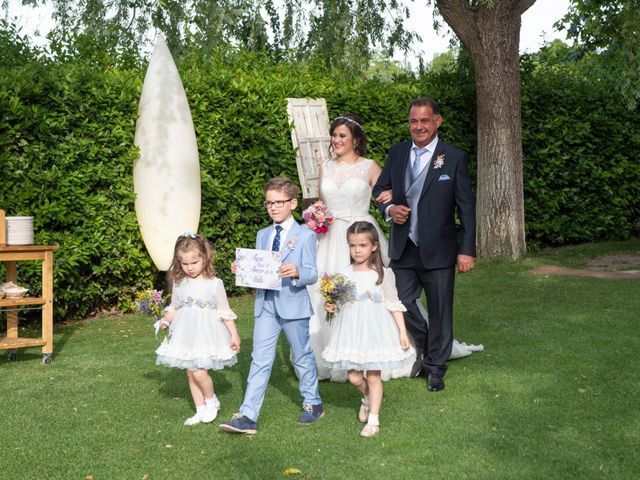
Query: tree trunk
[(492, 37)]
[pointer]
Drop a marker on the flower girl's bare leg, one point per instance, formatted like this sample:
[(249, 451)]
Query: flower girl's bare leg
[(204, 383), (356, 378), (374, 382)]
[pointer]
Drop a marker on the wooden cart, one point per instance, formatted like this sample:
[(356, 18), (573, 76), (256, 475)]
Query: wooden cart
[(10, 255)]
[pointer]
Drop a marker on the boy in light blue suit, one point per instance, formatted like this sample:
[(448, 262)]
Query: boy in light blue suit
[(287, 309)]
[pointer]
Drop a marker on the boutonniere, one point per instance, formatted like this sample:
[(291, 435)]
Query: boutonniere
[(291, 244), (439, 161)]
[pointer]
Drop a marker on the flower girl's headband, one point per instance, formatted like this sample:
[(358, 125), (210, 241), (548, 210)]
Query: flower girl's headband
[(189, 235)]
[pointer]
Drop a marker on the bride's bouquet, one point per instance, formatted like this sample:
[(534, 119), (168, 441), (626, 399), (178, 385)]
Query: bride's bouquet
[(336, 289), (317, 217)]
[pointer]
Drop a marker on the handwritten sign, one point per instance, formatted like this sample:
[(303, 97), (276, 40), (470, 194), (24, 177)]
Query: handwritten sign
[(258, 269)]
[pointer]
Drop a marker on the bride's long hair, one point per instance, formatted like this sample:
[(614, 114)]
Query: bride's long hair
[(354, 124), (375, 260)]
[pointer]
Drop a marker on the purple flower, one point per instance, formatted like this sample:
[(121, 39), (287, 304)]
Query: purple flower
[(336, 289), (151, 302)]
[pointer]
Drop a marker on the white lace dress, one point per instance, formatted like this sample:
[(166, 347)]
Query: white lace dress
[(198, 337), (346, 191), (364, 334)]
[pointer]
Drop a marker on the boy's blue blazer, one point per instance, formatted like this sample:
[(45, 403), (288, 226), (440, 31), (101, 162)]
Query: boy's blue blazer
[(299, 248)]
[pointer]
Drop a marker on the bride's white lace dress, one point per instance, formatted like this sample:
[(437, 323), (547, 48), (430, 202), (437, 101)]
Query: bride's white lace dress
[(346, 191)]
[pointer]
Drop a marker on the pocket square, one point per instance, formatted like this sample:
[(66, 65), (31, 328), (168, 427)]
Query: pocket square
[(442, 178)]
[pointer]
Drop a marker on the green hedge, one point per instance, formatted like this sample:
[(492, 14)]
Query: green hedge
[(66, 151), (581, 163), (66, 156)]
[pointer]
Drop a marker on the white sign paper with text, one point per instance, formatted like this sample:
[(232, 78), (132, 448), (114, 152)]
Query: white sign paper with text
[(258, 269)]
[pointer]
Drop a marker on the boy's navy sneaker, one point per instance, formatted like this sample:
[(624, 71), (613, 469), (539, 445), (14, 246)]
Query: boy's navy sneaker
[(310, 414), (239, 424)]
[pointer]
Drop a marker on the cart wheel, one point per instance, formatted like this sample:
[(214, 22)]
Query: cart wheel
[(47, 358), (12, 356)]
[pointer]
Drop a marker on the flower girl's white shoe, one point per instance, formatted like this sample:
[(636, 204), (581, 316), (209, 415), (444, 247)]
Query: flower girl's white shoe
[(196, 419), (369, 430), (210, 413)]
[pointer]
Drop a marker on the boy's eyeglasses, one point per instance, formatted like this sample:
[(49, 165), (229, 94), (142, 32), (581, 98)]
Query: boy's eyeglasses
[(277, 203)]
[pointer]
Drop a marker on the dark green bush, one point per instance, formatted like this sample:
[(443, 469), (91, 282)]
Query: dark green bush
[(581, 165), (66, 153), (66, 156)]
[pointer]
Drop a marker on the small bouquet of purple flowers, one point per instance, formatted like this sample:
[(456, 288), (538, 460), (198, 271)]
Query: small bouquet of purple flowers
[(317, 217), (152, 302), (336, 289)]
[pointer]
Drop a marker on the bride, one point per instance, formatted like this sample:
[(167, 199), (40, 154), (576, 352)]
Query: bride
[(345, 183)]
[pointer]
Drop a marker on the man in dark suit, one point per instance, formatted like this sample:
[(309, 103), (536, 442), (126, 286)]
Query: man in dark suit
[(430, 181)]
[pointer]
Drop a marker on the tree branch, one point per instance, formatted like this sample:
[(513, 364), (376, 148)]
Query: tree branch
[(525, 5), (460, 16)]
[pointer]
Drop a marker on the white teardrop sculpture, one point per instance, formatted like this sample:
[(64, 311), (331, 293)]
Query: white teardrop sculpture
[(166, 176)]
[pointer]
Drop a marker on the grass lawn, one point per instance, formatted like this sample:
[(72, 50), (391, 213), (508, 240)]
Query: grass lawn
[(554, 395)]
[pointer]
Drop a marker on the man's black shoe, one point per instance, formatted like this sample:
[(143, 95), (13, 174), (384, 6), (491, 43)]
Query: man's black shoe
[(416, 370), (435, 382)]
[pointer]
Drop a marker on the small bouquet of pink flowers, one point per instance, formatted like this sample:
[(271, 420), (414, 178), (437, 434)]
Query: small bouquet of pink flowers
[(152, 302), (317, 217), (336, 289)]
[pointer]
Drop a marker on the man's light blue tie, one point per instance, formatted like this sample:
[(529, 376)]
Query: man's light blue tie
[(415, 168), (276, 240)]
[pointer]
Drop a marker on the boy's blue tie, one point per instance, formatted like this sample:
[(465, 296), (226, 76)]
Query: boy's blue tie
[(276, 240), (415, 168)]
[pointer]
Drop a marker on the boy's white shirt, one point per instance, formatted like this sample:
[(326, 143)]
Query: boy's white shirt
[(286, 226)]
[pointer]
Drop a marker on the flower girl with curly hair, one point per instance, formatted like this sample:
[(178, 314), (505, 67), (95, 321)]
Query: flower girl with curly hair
[(202, 331)]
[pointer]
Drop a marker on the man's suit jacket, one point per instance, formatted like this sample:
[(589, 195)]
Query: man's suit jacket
[(299, 248), (445, 188)]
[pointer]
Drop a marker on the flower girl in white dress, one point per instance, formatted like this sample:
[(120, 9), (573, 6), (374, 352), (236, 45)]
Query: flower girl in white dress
[(202, 332), (368, 334), (345, 187)]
